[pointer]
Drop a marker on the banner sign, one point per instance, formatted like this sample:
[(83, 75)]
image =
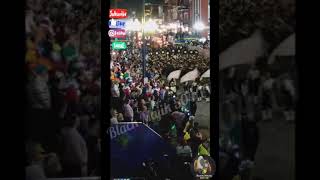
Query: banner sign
[(118, 13)]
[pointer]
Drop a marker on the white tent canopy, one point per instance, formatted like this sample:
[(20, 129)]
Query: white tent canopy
[(243, 52), (190, 76), (286, 48), (174, 75), (206, 74)]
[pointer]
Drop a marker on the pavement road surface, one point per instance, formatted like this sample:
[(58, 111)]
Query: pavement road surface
[(275, 157)]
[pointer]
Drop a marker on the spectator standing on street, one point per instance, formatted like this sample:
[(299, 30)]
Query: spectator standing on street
[(193, 107), (196, 139), (144, 115), (115, 92), (179, 119), (207, 92), (289, 98), (254, 82), (128, 111), (199, 92), (266, 93)]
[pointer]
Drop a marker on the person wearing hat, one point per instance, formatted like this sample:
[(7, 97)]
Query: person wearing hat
[(195, 138)]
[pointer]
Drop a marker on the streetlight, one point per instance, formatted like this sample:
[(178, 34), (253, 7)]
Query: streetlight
[(150, 26), (199, 26), (133, 25)]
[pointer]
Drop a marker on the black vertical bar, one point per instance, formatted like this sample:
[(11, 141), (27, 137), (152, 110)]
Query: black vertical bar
[(105, 90), (214, 78)]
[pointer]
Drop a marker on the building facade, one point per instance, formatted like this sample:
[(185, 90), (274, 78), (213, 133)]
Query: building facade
[(188, 13), (199, 12)]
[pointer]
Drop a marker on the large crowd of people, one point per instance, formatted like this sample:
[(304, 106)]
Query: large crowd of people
[(256, 94), (63, 88), (131, 91), (135, 99), (239, 19), (260, 96)]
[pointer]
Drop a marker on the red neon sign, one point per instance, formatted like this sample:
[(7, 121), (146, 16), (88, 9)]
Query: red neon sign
[(118, 13)]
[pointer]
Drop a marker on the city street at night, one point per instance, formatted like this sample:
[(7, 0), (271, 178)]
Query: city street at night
[(160, 73)]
